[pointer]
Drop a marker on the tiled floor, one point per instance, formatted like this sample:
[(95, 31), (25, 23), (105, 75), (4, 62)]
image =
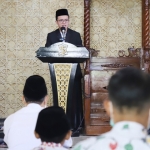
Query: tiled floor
[(78, 139)]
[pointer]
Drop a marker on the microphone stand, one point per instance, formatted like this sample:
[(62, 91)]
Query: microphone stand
[(63, 33)]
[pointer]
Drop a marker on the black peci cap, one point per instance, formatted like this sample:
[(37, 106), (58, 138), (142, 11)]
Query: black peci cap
[(52, 122), (61, 12), (35, 88)]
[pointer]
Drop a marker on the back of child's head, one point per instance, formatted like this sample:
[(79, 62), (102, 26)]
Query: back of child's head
[(35, 89), (52, 124), (130, 88)]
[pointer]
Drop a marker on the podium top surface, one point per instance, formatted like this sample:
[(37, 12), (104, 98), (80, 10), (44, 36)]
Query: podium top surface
[(62, 52)]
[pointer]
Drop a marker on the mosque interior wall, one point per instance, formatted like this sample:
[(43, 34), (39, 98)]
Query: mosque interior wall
[(24, 24)]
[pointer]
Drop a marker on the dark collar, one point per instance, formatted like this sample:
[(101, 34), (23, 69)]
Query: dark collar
[(68, 36), (58, 35)]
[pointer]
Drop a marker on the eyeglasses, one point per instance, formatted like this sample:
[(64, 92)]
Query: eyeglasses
[(63, 20)]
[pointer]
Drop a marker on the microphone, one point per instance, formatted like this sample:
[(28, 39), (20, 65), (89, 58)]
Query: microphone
[(63, 31)]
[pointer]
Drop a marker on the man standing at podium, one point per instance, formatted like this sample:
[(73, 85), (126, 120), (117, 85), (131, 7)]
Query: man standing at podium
[(74, 109), (70, 36)]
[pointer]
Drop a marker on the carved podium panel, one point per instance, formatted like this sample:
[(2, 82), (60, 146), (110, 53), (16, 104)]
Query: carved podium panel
[(63, 59), (62, 52)]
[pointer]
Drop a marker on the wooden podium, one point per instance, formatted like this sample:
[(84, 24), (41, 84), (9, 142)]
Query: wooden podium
[(63, 59)]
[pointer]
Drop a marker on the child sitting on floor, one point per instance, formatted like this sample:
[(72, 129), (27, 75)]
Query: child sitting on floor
[(53, 128)]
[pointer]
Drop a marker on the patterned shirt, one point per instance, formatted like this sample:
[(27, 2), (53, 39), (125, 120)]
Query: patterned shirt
[(124, 135), (50, 146)]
